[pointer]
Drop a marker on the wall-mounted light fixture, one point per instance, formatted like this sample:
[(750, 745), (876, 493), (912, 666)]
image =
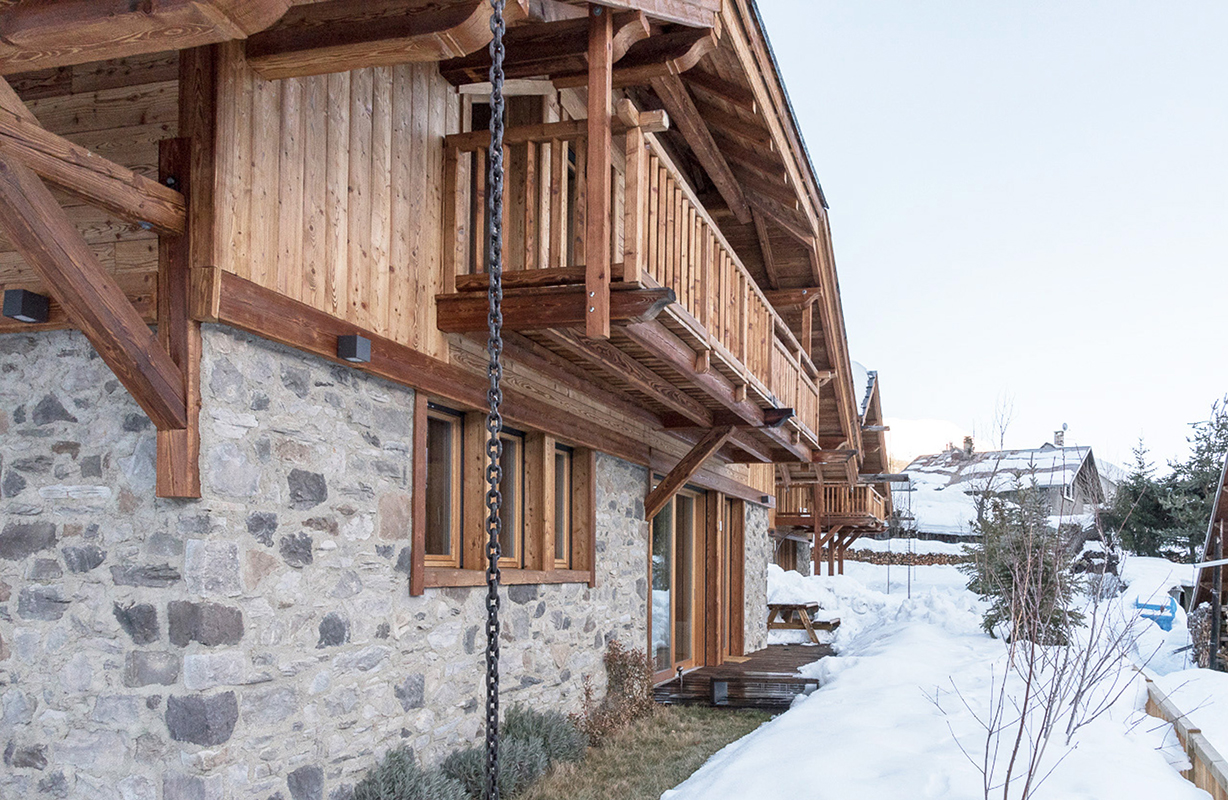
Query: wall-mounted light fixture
[(354, 348), (26, 306)]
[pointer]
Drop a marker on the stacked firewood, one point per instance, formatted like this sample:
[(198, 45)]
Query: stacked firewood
[(905, 559)]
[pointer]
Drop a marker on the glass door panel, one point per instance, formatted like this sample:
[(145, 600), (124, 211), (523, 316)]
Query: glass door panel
[(662, 583), (684, 578)]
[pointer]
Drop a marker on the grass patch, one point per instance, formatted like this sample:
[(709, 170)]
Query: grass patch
[(649, 756)]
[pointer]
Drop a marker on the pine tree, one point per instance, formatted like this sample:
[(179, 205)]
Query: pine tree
[(1191, 486), (1021, 566), (1137, 514)]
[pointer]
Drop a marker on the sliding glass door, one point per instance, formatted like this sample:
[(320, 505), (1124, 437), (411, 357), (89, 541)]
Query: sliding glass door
[(673, 627)]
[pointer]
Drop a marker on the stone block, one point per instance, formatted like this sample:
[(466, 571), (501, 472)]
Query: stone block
[(210, 624), (90, 749), (210, 670), (83, 559), (150, 668), (262, 525), (202, 720), (41, 602), (20, 539), (269, 706), (307, 489), (49, 410), (334, 630), (212, 568), (44, 570), (395, 514), (27, 756), (137, 787), (118, 711), (306, 783), (229, 471), (296, 549), (411, 692), (190, 787), (139, 621), (156, 576)]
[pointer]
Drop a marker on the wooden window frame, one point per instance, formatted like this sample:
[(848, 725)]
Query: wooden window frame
[(455, 419), (566, 453), (517, 558), (534, 563)]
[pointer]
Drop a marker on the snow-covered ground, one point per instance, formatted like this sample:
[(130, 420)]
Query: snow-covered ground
[(896, 714)]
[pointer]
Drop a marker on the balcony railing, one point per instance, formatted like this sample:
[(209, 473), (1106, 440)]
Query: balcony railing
[(846, 502), (661, 236)]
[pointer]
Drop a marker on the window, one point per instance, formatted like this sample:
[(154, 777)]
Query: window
[(443, 487), (562, 506), (548, 504), (511, 487)]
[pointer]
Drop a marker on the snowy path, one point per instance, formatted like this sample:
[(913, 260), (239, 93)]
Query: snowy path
[(874, 731)]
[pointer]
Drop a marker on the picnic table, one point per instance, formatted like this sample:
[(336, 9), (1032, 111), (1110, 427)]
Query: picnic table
[(798, 617)]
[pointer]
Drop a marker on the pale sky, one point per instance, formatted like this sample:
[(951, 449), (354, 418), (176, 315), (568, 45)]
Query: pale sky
[(1029, 200)]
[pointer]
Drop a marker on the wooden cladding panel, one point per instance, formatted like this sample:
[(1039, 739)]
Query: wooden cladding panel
[(334, 191), (119, 110)]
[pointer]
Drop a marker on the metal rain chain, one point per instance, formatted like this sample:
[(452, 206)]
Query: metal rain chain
[(494, 396)]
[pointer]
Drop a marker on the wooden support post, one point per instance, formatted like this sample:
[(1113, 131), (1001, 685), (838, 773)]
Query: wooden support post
[(417, 526), (1217, 598), (178, 465), (682, 472), (597, 198), (41, 232)]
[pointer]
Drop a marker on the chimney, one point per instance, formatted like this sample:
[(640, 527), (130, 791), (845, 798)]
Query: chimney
[(1059, 438), (968, 448)]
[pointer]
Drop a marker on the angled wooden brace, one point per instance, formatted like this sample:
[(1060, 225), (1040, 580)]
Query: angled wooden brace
[(685, 469)]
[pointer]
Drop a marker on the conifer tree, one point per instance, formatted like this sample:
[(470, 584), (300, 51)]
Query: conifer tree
[(1137, 514)]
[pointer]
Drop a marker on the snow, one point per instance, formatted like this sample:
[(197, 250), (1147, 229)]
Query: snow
[(919, 546), (902, 696), (1202, 695)]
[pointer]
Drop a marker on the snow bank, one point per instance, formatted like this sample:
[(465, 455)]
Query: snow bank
[(1202, 695), (897, 709)]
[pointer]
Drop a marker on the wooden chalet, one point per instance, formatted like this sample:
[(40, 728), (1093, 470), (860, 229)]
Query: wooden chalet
[(296, 181), (1213, 550), (820, 510)]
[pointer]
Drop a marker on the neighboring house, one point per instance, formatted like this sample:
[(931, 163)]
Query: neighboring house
[(822, 509), (243, 557), (946, 487)]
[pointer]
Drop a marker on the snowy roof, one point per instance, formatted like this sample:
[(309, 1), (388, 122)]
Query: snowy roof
[(1048, 465), (863, 385), (944, 484)]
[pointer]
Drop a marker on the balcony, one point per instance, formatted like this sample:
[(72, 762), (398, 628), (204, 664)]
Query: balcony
[(858, 509), (692, 335)]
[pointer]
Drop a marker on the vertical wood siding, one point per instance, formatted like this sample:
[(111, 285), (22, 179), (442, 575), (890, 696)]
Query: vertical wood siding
[(333, 191)]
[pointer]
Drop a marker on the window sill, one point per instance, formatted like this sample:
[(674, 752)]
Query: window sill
[(444, 576)]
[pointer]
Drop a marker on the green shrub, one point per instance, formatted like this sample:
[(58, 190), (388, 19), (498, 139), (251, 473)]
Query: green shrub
[(561, 739), (398, 777), (521, 763)]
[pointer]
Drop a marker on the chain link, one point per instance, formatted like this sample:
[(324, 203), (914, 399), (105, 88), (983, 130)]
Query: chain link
[(494, 395)]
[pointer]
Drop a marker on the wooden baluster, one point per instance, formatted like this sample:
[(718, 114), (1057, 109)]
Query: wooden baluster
[(670, 260), (545, 189), (531, 182), (557, 236), (635, 205), (454, 219), (578, 211), (652, 257), (478, 261), (684, 246)]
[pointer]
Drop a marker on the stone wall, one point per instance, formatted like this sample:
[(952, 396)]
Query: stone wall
[(259, 642), (759, 549)]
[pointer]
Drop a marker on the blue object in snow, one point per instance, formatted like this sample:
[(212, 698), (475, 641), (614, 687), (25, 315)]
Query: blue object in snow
[(1162, 614)]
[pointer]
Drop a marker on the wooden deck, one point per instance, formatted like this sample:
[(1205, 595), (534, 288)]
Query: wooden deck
[(767, 680)]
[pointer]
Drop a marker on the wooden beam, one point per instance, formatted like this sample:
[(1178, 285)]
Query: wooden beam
[(553, 307), (712, 441), (731, 125), (765, 247), (667, 347), (609, 359), (91, 177), (344, 35), (531, 278), (655, 57), (685, 116), (40, 230), (793, 298), (597, 176), (794, 222), (141, 289), (758, 161), (833, 456), (178, 464), (649, 122), (715, 86), (549, 49), (772, 418), (221, 296), (702, 14), (54, 33)]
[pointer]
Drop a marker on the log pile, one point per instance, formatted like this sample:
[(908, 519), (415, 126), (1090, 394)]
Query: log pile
[(904, 559)]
